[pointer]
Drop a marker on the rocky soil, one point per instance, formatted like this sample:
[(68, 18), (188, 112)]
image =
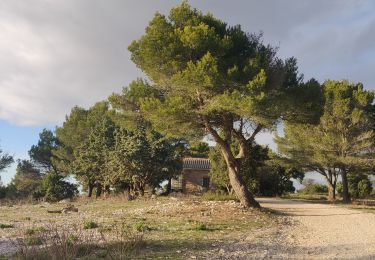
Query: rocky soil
[(293, 229)]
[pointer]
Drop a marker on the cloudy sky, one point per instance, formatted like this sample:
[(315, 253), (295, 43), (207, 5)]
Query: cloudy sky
[(57, 54)]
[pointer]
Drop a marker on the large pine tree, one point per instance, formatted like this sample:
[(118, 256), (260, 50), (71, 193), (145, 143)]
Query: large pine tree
[(214, 79)]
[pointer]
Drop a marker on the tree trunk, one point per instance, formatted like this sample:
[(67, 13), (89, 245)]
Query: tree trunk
[(238, 185), (90, 188), (169, 186), (98, 189), (345, 188), (331, 192)]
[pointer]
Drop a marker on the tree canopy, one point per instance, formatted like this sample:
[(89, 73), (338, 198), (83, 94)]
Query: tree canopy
[(342, 142), (5, 160)]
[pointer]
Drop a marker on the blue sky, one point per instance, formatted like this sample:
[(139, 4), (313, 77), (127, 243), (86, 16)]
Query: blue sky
[(57, 54)]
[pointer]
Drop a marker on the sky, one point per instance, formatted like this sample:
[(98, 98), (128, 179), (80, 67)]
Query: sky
[(57, 54)]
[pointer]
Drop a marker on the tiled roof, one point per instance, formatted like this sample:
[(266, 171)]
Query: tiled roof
[(196, 163)]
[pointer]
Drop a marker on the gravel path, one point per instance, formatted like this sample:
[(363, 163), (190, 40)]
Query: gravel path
[(321, 231)]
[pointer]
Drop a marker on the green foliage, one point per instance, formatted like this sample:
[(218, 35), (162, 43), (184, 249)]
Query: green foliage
[(30, 231), (263, 173), (74, 132), (5, 160), (359, 185), (198, 149), (141, 226), (216, 79), (2, 226), (90, 225), (91, 157), (199, 226), (42, 153), (342, 138), (312, 188), (219, 171), (143, 157), (274, 180), (27, 180), (205, 67), (34, 241), (55, 188)]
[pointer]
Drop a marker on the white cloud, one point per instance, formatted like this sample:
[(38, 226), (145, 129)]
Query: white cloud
[(57, 54)]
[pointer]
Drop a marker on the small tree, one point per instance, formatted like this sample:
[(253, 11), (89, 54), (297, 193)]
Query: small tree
[(91, 157), (143, 158), (211, 78), (75, 130), (27, 180), (55, 188)]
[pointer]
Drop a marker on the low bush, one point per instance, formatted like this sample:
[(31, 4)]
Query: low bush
[(6, 226), (199, 226), (141, 226), (313, 188), (90, 225)]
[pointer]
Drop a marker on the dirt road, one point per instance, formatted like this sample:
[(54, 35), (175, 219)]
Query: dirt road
[(321, 231)]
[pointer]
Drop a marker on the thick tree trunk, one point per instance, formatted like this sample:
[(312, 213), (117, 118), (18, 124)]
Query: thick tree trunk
[(242, 192), (331, 192), (345, 188), (238, 185), (90, 189)]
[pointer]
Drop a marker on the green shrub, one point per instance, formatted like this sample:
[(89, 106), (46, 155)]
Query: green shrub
[(6, 226), (199, 226), (90, 225), (30, 231), (359, 185), (34, 241), (218, 196), (141, 226), (313, 188)]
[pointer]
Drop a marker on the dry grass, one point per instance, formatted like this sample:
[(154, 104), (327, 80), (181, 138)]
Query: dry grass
[(170, 227)]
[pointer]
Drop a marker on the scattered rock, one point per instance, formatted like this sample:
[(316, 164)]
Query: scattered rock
[(69, 208)]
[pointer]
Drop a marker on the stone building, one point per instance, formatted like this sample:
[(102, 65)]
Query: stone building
[(194, 176)]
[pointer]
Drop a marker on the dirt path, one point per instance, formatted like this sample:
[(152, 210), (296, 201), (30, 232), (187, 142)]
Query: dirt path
[(320, 231)]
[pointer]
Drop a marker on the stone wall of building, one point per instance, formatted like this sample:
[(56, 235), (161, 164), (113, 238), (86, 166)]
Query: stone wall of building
[(193, 180)]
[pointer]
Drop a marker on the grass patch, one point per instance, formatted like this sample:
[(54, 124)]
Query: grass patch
[(199, 226), (218, 196), (64, 243), (90, 225), (141, 226), (2, 226), (34, 241), (300, 196)]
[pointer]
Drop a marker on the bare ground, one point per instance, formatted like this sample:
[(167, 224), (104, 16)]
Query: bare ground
[(321, 231)]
